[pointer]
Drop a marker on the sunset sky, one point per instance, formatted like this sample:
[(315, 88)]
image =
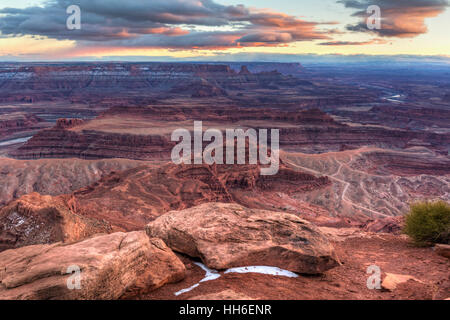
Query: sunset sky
[(36, 30)]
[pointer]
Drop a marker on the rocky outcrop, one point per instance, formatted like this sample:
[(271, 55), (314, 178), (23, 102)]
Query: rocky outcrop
[(131, 199), (31, 83), (228, 114), (91, 144), (404, 164), (200, 89), (392, 280), (386, 225), (326, 138), (406, 117), (442, 250), (308, 131), (229, 235), (244, 71), (16, 123), (17, 127), (68, 123), (114, 266), (54, 176), (258, 67), (94, 76), (37, 219)]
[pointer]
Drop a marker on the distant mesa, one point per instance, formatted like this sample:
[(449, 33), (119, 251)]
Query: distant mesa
[(200, 89), (68, 123), (132, 132), (81, 83), (244, 71), (19, 124), (261, 67), (143, 133)]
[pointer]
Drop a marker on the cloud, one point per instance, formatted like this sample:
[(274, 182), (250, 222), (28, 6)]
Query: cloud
[(399, 18), (353, 43), (169, 24)]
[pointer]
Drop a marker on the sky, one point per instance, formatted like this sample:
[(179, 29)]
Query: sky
[(184, 29)]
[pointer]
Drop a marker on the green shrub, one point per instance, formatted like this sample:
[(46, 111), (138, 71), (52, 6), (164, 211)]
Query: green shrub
[(428, 223)]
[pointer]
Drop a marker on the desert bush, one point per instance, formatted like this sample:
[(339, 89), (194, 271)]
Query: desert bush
[(428, 223)]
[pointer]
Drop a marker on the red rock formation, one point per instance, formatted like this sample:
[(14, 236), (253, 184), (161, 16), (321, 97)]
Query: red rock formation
[(258, 67), (128, 200), (54, 176), (317, 139), (19, 123), (36, 219), (31, 83), (442, 250), (310, 131), (226, 114), (244, 71), (68, 123), (119, 265), (387, 225), (404, 164), (131, 199), (200, 89), (62, 142), (228, 235), (348, 281)]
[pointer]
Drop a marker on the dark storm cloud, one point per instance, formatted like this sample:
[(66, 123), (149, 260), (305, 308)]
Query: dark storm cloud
[(400, 18), (159, 24)]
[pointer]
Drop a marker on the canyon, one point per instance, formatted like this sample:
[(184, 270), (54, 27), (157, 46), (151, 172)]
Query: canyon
[(85, 167), (144, 133)]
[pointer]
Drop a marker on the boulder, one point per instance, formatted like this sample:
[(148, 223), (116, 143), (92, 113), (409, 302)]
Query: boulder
[(37, 219), (229, 235), (386, 225), (118, 265), (392, 280), (442, 250)]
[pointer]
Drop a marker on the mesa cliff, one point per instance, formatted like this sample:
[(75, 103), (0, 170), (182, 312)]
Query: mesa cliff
[(132, 132)]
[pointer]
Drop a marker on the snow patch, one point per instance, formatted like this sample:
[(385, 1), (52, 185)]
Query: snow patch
[(187, 289), (16, 220), (214, 274), (274, 271), (210, 275)]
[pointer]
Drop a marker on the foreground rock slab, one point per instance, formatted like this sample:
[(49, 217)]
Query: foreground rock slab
[(229, 235), (114, 266), (392, 280)]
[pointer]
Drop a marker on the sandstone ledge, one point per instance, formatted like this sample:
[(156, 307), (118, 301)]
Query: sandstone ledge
[(229, 235), (119, 265)]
